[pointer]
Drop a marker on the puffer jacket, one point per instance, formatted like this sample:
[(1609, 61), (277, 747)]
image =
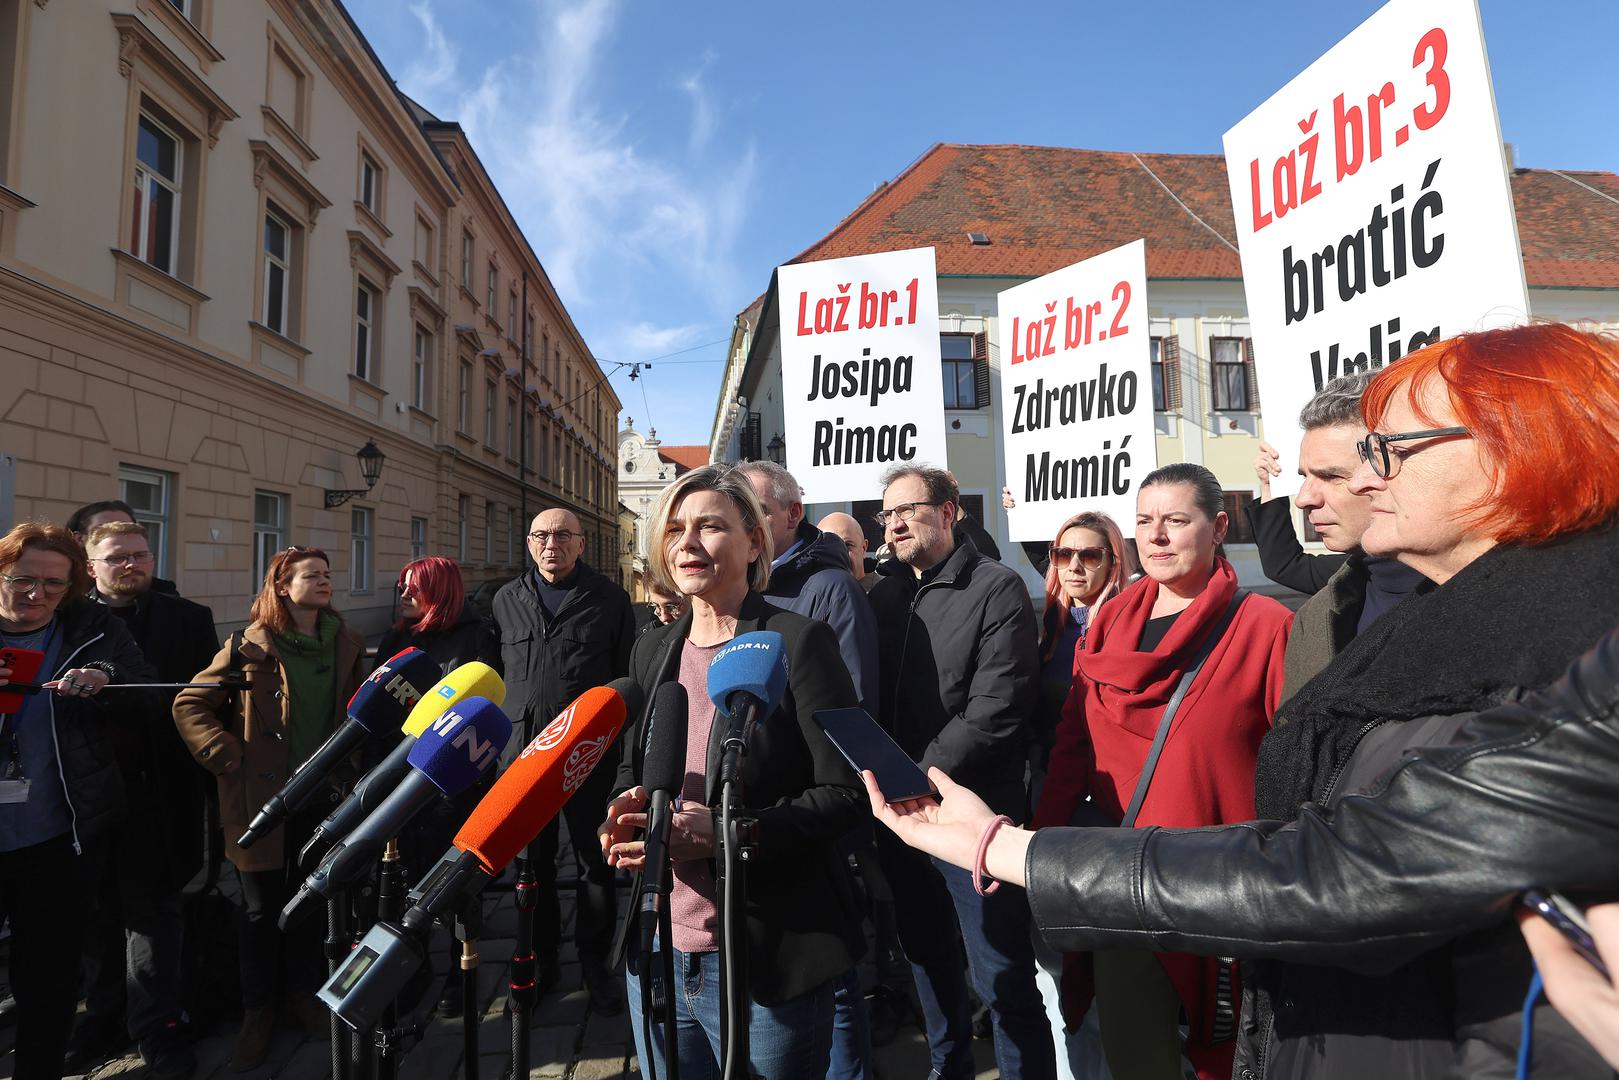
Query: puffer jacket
[(1412, 862), (818, 583), (254, 739), (93, 637)]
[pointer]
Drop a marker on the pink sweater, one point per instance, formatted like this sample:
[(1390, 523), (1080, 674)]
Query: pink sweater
[(693, 917)]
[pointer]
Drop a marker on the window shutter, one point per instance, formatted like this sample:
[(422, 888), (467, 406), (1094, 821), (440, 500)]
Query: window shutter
[(981, 368), (1248, 373), (751, 446), (1169, 355)]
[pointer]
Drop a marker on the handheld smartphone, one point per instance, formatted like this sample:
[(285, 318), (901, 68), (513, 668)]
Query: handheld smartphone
[(864, 745), (24, 665), (1561, 912)]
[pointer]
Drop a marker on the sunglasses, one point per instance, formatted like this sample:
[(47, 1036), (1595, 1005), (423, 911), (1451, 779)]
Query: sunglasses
[(1091, 558)]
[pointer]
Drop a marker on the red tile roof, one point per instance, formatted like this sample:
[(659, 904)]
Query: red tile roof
[(1045, 207), (684, 458)]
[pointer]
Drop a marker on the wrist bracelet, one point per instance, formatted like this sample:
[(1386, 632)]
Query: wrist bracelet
[(979, 871)]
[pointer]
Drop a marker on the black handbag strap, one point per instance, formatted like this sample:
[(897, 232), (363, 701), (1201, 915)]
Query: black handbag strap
[(1158, 740)]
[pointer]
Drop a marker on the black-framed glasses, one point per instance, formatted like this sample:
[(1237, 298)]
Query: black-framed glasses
[(902, 512), (1091, 558), (563, 537), (22, 584), (1374, 448)]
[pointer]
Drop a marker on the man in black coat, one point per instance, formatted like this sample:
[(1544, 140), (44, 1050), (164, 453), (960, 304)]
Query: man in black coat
[(565, 628), (132, 949), (959, 667)]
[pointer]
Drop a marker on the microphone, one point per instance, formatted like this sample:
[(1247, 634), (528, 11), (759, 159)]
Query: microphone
[(378, 706), (663, 774), (471, 680), (746, 680), (524, 800), (446, 759)]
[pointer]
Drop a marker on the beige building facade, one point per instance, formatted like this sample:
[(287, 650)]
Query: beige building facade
[(231, 256)]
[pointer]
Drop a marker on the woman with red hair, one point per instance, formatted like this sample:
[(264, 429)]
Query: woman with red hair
[(1418, 785), (435, 617)]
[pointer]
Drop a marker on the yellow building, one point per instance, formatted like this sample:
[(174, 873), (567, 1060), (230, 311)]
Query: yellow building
[(232, 255)]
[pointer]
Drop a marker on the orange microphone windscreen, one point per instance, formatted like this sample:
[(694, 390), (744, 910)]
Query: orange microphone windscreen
[(545, 775)]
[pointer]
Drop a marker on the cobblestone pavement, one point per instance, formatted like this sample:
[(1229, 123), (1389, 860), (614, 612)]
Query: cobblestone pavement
[(567, 1039)]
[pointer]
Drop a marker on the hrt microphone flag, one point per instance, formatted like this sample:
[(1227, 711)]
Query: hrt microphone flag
[(523, 801), (379, 706)]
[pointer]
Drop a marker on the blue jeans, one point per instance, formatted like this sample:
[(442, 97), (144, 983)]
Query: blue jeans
[(851, 1031), (789, 1041), (935, 902)]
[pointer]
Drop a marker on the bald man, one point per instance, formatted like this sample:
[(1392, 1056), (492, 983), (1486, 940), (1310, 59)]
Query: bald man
[(565, 628), (847, 529)]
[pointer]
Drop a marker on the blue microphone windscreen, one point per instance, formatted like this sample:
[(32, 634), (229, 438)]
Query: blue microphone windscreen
[(462, 744), (383, 701), (756, 663)]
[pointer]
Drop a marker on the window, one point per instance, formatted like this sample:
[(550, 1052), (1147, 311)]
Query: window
[(1166, 373), (463, 507), (182, 6), (147, 492), (269, 532), (1236, 509), (965, 358), (466, 261), (360, 550), (155, 223), (277, 253), (365, 310), (1230, 377), (370, 184), (424, 243), (491, 394), (545, 358), (288, 93), (418, 368), (418, 538), (511, 314), (528, 441), (528, 329), (511, 426), (556, 464), (511, 534), (463, 398), (489, 531), (489, 299)]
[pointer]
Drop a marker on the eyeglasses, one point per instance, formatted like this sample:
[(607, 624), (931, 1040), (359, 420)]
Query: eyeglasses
[(135, 558), (1374, 448), (902, 512), (674, 609), (23, 585), (1091, 558), (562, 537)]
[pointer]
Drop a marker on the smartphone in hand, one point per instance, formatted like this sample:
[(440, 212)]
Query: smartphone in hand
[(24, 665), (1569, 921)]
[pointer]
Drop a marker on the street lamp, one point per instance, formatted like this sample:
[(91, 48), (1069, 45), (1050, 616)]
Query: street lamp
[(371, 459), (776, 450)]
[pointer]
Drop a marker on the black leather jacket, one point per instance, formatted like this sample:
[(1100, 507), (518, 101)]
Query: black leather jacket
[(1426, 855)]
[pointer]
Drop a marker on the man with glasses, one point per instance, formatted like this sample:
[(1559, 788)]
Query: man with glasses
[(132, 947), (664, 607), (959, 670), (105, 512), (1357, 588), (565, 628)]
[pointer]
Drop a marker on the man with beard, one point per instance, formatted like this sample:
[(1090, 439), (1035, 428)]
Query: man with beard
[(132, 950)]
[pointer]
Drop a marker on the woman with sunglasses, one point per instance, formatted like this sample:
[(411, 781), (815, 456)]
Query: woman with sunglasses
[(1137, 650), (60, 788), (1413, 790), (303, 663)]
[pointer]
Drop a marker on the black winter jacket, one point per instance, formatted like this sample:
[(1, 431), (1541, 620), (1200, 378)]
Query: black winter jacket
[(960, 671), (803, 919), (471, 637), (1414, 862), (548, 663), (818, 583), (91, 636)]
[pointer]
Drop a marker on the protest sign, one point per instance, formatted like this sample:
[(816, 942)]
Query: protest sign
[(1372, 208), (860, 372), (1076, 391)]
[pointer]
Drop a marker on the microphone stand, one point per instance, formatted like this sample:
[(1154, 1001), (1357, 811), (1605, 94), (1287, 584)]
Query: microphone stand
[(467, 936), (337, 950), (737, 838), (655, 889), (391, 889), (522, 977)]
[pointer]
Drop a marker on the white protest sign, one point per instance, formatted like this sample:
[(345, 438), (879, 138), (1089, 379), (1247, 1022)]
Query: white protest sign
[(1372, 207), (1076, 392), (861, 382)]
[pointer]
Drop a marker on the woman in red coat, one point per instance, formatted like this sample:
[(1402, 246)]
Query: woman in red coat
[(1132, 661)]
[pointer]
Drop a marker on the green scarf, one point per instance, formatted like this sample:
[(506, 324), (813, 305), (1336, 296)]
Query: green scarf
[(310, 666)]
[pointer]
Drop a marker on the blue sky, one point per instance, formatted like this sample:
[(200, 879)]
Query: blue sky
[(662, 156)]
